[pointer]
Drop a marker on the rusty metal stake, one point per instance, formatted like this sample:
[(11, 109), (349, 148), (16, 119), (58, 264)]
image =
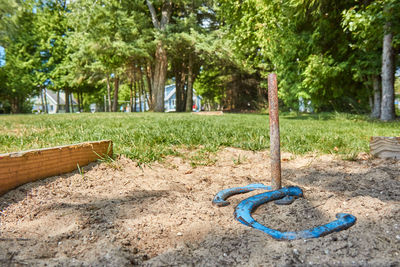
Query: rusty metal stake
[(274, 132)]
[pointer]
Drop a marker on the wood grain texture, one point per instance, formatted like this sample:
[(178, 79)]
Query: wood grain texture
[(209, 113), (385, 147), (27, 166)]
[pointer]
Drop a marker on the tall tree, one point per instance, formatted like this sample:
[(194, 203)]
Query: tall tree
[(160, 58), (387, 107), (107, 36), (375, 27), (367, 51), (388, 60), (19, 39), (304, 43), (53, 30), (192, 22)]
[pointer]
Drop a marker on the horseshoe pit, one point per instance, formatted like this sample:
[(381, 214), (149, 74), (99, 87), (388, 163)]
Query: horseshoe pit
[(119, 214), (282, 196)]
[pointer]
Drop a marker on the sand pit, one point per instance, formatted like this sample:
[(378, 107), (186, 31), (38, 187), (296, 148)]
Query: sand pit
[(161, 215)]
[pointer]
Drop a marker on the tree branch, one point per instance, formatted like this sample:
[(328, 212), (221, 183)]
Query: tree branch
[(166, 14), (153, 15)]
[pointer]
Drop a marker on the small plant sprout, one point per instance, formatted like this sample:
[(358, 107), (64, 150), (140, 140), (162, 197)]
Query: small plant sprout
[(239, 160), (81, 171), (108, 160)]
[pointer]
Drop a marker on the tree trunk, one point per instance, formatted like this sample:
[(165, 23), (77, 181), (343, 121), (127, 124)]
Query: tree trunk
[(135, 94), (160, 75), (79, 101), (82, 107), (108, 93), (58, 101), (189, 90), (146, 88), (161, 62), (178, 91), (140, 98), (387, 107), (82, 103), (116, 87), (71, 96), (180, 80), (131, 95), (15, 105), (142, 88), (42, 100), (376, 110), (149, 75), (45, 101), (66, 101)]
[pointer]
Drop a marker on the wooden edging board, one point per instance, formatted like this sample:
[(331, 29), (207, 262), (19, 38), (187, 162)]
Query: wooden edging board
[(385, 147), (209, 113), (18, 168)]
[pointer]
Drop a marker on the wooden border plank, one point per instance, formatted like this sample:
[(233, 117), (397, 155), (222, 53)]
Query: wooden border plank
[(385, 147), (209, 113), (27, 166)]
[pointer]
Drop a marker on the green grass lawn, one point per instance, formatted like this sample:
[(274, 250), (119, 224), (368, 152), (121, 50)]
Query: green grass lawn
[(146, 137)]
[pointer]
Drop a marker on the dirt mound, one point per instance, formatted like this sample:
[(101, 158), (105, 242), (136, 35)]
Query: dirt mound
[(120, 214)]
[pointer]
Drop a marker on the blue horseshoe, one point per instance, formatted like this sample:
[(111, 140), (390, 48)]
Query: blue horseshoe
[(220, 198), (243, 214)]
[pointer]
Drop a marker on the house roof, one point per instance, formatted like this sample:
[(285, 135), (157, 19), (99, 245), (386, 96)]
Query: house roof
[(170, 91), (53, 96)]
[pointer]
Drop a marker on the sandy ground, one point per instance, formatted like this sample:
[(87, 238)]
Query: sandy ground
[(161, 215)]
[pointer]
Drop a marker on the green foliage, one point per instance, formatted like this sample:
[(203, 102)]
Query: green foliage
[(22, 56), (303, 42), (365, 22), (105, 36), (52, 30), (209, 85), (323, 51)]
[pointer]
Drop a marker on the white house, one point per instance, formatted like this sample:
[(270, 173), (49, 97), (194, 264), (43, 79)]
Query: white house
[(170, 99), (51, 98)]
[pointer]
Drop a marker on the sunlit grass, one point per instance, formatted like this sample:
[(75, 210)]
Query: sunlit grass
[(146, 137)]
